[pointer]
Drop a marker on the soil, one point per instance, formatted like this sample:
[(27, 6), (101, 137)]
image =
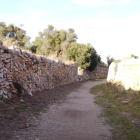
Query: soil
[(64, 113)]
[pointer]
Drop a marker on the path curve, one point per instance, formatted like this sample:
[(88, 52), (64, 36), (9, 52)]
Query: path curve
[(77, 118)]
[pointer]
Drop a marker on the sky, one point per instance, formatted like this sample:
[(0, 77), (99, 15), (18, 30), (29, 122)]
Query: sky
[(111, 26)]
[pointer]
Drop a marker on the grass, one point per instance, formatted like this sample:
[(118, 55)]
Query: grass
[(95, 79), (21, 107), (120, 110)]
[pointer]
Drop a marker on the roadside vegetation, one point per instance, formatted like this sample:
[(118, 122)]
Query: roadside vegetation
[(120, 110), (52, 43)]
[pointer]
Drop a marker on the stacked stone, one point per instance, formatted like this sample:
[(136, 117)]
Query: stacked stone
[(22, 72), (31, 72), (99, 72)]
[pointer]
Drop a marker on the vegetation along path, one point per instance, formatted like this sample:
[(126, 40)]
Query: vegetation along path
[(75, 118)]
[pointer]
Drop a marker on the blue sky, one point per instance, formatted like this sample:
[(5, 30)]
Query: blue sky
[(111, 26)]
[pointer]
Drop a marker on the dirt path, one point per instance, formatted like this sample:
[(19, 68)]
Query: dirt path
[(76, 118)]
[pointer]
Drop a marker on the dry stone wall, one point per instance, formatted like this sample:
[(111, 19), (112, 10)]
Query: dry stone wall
[(99, 72), (126, 72), (23, 72)]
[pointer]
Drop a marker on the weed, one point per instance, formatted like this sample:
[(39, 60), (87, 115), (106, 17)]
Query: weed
[(10, 85), (119, 115), (2, 98), (14, 114), (123, 92), (21, 107), (6, 51), (54, 90), (129, 88), (94, 79)]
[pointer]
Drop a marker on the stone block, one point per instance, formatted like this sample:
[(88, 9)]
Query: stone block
[(1, 75)]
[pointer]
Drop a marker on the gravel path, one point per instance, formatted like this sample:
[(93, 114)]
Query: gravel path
[(76, 118)]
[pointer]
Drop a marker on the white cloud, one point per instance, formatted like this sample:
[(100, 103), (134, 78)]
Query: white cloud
[(95, 3)]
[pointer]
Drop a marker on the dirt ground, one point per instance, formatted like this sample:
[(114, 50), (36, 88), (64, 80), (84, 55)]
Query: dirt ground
[(64, 113)]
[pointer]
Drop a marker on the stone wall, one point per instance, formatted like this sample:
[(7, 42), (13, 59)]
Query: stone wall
[(21, 72), (99, 72), (126, 72)]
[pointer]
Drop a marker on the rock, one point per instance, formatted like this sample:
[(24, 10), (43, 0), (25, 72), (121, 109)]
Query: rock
[(9, 56), (0, 65), (1, 80), (1, 43), (6, 83), (16, 69), (124, 102), (7, 65), (16, 65), (26, 55), (9, 94), (13, 47), (30, 93), (5, 92), (1, 75), (7, 61), (5, 96), (22, 100), (12, 65), (1, 92), (9, 77), (14, 91), (12, 107), (27, 125)]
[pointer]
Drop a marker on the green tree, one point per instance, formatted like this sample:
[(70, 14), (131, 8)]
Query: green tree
[(134, 56), (109, 60), (63, 43), (12, 33), (85, 55), (54, 41)]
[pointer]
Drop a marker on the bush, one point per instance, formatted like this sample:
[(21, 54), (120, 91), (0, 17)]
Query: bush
[(85, 56)]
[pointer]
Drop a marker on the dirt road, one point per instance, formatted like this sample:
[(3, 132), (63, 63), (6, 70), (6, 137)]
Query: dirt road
[(76, 118)]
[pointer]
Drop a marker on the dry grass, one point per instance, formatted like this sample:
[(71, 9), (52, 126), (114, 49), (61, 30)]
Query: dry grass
[(121, 111)]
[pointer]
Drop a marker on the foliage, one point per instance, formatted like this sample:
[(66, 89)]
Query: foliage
[(62, 42), (33, 48), (59, 43), (3, 98), (52, 41), (102, 64), (12, 33), (85, 55), (121, 111), (134, 56), (109, 60)]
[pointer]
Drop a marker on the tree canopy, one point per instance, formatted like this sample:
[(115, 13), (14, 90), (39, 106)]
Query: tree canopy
[(109, 60), (52, 41), (62, 42), (134, 56), (13, 33)]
